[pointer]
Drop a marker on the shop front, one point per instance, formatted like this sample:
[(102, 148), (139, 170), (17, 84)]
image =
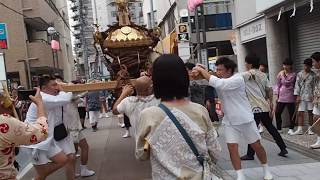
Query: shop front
[(304, 30), (252, 40), (293, 31)]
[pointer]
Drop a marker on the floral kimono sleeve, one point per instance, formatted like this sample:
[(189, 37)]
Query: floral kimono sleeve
[(15, 132)]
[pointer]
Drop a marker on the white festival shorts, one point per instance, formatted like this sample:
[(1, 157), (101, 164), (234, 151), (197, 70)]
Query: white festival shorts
[(94, 117), (316, 110), (41, 157), (235, 134), (305, 106), (76, 136)]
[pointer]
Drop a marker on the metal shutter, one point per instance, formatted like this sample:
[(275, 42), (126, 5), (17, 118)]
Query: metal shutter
[(305, 35)]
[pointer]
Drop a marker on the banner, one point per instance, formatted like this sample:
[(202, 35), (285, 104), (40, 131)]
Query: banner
[(3, 36), (3, 76)]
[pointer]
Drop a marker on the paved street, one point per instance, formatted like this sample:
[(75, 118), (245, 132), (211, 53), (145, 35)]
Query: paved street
[(295, 166), (112, 157)]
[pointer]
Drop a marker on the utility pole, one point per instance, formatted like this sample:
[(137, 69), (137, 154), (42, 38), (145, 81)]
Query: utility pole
[(190, 38), (84, 42), (204, 37), (27, 66), (152, 14), (196, 21)]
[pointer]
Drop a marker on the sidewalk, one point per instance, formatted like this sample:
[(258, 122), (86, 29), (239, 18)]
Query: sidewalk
[(304, 140), (295, 166)]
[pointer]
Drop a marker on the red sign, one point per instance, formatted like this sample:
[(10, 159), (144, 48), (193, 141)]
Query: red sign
[(3, 44)]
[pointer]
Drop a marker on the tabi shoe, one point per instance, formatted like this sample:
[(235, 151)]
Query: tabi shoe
[(290, 132), (126, 134), (297, 132), (283, 153), (241, 177), (86, 172), (106, 115), (246, 158), (310, 132), (316, 145), (268, 176)]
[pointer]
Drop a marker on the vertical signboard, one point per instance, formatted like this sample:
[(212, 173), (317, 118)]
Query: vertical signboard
[(183, 32), (204, 57), (3, 76), (3, 36)]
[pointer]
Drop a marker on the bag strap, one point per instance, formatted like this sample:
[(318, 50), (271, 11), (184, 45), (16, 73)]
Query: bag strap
[(62, 113), (183, 132)]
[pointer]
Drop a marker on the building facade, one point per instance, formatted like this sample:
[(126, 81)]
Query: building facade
[(82, 23), (110, 17), (29, 42), (218, 20), (278, 29)]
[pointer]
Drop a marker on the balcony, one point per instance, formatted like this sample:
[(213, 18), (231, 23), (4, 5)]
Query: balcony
[(75, 15), (76, 24), (39, 13), (74, 7), (76, 33), (40, 49), (77, 42)]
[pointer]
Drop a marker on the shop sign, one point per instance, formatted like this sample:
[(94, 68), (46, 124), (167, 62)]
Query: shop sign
[(3, 36), (253, 31), (183, 32), (3, 76)]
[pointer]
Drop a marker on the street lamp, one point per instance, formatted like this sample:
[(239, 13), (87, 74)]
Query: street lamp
[(51, 30), (54, 36)]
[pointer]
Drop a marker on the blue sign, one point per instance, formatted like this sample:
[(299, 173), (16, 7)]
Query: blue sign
[(3, 36)]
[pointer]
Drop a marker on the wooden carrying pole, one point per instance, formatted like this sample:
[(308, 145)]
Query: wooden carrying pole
[(110, 85)]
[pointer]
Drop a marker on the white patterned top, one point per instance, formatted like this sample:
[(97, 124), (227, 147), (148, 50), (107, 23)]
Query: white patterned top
[(170, 155)]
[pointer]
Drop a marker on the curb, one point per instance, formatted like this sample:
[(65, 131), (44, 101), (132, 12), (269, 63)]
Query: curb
[(298, 148)]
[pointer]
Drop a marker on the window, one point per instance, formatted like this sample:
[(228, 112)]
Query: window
[(217, 7), (149, 19), (214, 22)]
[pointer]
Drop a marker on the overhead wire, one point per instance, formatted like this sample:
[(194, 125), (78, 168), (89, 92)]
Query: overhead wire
[(54, 7)]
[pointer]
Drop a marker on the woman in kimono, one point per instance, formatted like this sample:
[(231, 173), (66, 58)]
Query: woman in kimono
[(159, 140), (14, 132)]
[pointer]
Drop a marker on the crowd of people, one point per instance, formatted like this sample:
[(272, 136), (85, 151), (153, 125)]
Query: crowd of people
[(170, 112), (299, 93)]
